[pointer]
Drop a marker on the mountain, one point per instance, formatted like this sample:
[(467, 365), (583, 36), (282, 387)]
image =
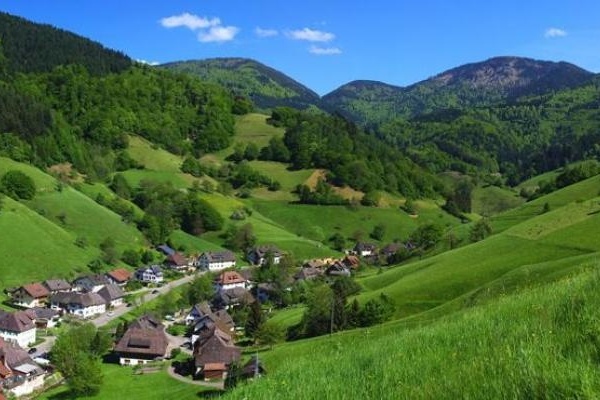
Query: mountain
[(32, 47), (500, 79), (265, 86)]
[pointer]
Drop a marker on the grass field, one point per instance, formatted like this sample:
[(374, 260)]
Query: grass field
[(492, 200), (34, 248), (121, 383), (528, 345), (43, 182)]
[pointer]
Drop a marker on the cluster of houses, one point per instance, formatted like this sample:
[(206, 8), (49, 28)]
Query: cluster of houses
[(19, 373)]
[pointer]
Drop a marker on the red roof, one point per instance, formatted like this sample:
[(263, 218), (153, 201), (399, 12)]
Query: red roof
[(215, 367), (120, 275), (36, 290), (2, 397), (230, 277)]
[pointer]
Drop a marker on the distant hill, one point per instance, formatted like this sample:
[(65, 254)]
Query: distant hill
[(266, 86), (499, 79), (32, 47)]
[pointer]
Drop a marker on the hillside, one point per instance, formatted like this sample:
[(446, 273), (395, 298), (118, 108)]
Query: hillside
[(265, 86), (30, 47), (484, 83)]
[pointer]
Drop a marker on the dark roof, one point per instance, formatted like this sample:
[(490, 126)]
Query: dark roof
[(363, 246), (166, 250), (56, 285), (338, 269), (13, 355), (236, 295), (18, 321), (314, 264), (215, 346), (351, 261), (308, 273), (155, 269), (200, 309), (89, 281), (262, 250), (36, 290), (250, 368), (219, 256), (111, 292), (43, 313), (177, 259), (83, 299), (120, 275), (145, 337)]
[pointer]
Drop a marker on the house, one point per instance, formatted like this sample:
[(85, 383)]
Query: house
[(220, 318), (57, 285), (315, 264), (351, 262), (144, 341), (19, 374), (364, 249), (216, 260), (150, 274), (230, 280), (112, 294), (90, 283), (84, 305), (307, 274), (214, 351), (178, 262), (44, 317), (232, 297), (17, 327), (337, 269), (31, 295), (119, 276), (259, 255), (198, 311), (166, 250)]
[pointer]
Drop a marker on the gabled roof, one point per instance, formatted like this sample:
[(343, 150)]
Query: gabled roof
[(166, 250), (155, 269), (120, 275), (111, 292), (219, 256), (262, 250), (42, 313), (13, 355), (351, 261), (82, 299), (177, 259), (363, 246), (230, 277), (18, 321), (215, 346), (145, 337), (36, 290), (308, 273), (91, 280), (200, 309), (57, 285)]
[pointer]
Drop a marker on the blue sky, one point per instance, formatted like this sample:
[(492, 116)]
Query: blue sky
[(326, 43)]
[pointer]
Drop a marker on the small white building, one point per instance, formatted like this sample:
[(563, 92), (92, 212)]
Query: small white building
[(21, 375), (31, 295), (150, 274), (230, 280), (84, 305), (17, 327), (216, 260)]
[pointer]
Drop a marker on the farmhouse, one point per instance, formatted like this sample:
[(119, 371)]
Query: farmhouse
[(232, 297), (119, 276), (143, 342), (57, 285), (112, 294), (177, 262), (214, 351), (338, 269), (90, 283), (150, 274), (19, 374), (44, 317), (216, 260), (198, 311), (308, 273), (29, 296), (260, 255), (17, 327), (84, 305)]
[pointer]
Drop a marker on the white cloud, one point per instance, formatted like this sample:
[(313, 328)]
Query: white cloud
[(555, 32), (189, 21), (324, 51), (311, 35), (218, 34), (148, 62), (263, 33)]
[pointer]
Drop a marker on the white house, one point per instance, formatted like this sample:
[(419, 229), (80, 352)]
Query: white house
[(112, 294), (230, 280), (31, 295), (17, 327), (84, 305), (150, 274), (216, 260)]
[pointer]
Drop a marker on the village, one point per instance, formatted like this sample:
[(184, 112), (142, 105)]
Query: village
[(210, 335)]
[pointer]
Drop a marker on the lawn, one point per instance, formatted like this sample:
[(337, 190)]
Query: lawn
[(121, 383)]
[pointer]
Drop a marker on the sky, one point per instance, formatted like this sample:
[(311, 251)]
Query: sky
[(324, 44)]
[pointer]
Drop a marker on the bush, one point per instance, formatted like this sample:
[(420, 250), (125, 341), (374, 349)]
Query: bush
[(17, 185)]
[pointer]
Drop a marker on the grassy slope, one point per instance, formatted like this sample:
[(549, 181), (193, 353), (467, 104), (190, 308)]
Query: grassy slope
[(492, 200), (527, 345), (34, 248)]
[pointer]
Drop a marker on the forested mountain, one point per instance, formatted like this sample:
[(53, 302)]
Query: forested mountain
[(496, 80), (265, 86), (31, 47)]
